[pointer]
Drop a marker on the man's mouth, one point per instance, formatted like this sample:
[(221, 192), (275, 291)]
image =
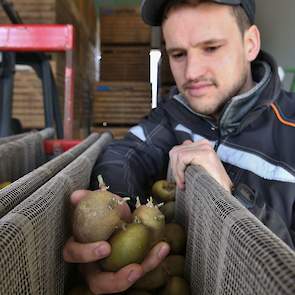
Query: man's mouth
[(199, 88)]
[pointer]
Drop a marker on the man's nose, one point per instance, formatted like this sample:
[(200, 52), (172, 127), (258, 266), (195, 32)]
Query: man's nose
[(195, 68)]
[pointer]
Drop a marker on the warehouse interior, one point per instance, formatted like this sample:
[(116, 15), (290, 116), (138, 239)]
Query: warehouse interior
[(111, 63), (111, 55)]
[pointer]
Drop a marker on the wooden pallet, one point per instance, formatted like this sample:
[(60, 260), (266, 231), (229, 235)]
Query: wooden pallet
[(123, 26), (125, 63), (32, 11), (121, 103)]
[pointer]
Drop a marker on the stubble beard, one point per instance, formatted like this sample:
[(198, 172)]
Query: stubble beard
[(219, 101)]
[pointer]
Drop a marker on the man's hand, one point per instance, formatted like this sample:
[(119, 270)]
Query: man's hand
[(100, 282), (197, 153)]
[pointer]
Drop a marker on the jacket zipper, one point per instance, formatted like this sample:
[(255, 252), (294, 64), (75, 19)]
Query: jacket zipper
[(216, 128), (217, 143)]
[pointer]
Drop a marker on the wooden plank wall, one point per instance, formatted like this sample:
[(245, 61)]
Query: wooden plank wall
[(125, 63), (123, 26), (83, 16), (125, 43), (32, 11), (121, 102), (123, 96), (28, 100)]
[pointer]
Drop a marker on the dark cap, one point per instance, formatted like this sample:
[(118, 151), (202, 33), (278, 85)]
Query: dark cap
[(152, 10)]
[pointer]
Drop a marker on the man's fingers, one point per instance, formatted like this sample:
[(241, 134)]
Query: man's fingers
[(108, 282), (199, 153), (111, 282), (187, 153), (101, 282), (177, 165), (181, 159), (82, 253), (155, 256), (173, 163)]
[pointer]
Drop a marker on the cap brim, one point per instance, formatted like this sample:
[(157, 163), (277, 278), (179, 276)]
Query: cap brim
[(152, 11)]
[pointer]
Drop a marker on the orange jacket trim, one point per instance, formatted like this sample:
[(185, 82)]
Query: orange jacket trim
[(281, 119)]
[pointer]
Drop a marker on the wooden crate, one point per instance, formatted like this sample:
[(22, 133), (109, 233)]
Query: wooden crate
[(32, 11), (82, 14), (27, 92), (125, 63), (123, 26), (27, 99), (89, 14), (120, 103)]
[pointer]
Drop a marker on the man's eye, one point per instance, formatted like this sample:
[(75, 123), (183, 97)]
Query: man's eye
[(211, 49), (177, 55)]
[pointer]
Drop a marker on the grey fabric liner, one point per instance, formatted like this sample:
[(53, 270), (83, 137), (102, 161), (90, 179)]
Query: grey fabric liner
[(12, 137), (32, 234), (229, 251), (26, 185), (21, 156)]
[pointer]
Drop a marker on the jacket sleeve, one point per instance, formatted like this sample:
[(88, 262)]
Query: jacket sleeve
[(130, 166)]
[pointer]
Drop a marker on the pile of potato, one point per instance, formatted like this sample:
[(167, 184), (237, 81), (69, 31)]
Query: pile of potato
[(97, 218)]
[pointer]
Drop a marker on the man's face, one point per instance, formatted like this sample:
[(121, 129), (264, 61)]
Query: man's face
[(207, 55)]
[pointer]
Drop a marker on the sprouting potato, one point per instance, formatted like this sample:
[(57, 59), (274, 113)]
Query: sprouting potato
[(150, 215), (164, 190), (96, 216)]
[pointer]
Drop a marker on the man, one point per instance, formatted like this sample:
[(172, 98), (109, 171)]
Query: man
[(227, 114)]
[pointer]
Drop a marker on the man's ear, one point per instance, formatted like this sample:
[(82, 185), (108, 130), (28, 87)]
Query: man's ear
[(252, 43)]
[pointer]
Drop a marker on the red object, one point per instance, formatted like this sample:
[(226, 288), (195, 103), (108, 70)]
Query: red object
[(58, 145), (52, 38)]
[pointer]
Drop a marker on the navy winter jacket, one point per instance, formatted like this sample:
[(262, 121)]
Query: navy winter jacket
[(254, 138)]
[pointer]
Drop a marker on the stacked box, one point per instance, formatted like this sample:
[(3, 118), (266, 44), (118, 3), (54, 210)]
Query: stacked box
[(28, 98), (82, 15), (124, 71), (125, 63), (32, 11), (123, 26), (119, 105)]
